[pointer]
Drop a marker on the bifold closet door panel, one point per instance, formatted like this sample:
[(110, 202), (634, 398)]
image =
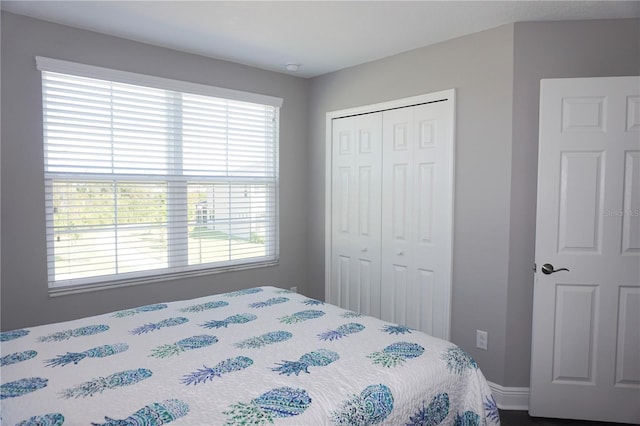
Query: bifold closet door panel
[(414, 208), (356, 212)]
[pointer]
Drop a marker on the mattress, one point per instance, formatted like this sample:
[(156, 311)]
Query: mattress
[(257, 356)]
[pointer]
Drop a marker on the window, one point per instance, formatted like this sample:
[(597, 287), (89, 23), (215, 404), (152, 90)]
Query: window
[(146, 176)]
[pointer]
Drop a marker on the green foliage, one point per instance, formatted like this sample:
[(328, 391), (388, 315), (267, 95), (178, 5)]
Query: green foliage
[(79, 205)]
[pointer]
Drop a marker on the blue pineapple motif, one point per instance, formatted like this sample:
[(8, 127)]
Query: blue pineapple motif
[(14, 334), (205, 306), (269, 302), (396, 354), (265, 339), (227, 366), (233, 319), (312, 302), (78, 332), (458, 360), (100, 384), (433, 414), (76, 357), (156, 414), (146, 308), (243, 292), (169, 322), (491, 409), (17, 357), (301, 316), (276, 403), (319, 358), (468, 418), (194, 342), (396, 329), (341, 331), (51, 419), (22, 387), (351, 314), (372, 406)]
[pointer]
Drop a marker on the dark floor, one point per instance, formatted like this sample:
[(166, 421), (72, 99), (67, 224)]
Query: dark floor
[(521, 418)]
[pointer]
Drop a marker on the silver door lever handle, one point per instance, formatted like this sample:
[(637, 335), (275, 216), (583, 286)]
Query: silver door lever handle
[(547, 269)]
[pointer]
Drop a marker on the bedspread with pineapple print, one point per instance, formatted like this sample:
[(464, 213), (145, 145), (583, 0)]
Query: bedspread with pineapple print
[(258, 356)]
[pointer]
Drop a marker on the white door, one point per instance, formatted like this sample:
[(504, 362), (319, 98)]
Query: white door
[(355, 189), (417, 211), (586, 320)]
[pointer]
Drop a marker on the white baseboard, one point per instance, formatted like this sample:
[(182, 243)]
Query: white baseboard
[(510, 398)]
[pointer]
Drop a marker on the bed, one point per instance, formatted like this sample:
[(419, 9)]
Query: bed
[(257, 356)]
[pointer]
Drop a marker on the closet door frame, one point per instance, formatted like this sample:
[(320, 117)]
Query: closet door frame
[(443, 328)]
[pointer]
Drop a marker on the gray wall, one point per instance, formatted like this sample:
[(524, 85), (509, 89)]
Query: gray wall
[(497, 75), (24, 298)]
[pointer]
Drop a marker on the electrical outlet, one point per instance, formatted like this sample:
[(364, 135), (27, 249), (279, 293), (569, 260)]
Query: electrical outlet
[(482, 339), (294, 289)]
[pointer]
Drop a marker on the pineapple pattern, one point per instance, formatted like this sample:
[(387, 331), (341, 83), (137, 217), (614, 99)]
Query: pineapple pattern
[(433, 414), (396, 354), (233, 319), (76, 332), (263, 340), (76, 357), (205, 306), (17, 357), (227, 366), (340, 332), (169, 322), (269, 302), (276, 403), (396, 329), (458, 360), (22, 387), (301, 316), (100, 384), (319, 358), (11, 335), (372, 406), (51, 419), (141, 309), (156, 414), (194, 342)]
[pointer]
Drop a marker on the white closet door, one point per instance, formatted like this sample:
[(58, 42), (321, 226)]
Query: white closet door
[(417, 216), (356, 209)]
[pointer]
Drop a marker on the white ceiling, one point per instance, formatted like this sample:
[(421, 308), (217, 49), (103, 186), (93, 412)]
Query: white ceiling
[(322, 36)]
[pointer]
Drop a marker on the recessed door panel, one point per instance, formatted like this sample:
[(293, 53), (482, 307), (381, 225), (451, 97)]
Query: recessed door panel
[(400, 199), (344, 197), (400, 283), (580, 201), (631, 205), (633, 113), (344, 280), (584, 114), (576, 310), (426, 133), (424, 194), (628, 342), (364, 200)]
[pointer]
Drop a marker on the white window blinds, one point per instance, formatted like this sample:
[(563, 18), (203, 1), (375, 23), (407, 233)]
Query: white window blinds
[(142, 181)]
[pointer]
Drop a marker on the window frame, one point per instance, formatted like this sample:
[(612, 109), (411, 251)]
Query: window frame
[(77, 285)]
